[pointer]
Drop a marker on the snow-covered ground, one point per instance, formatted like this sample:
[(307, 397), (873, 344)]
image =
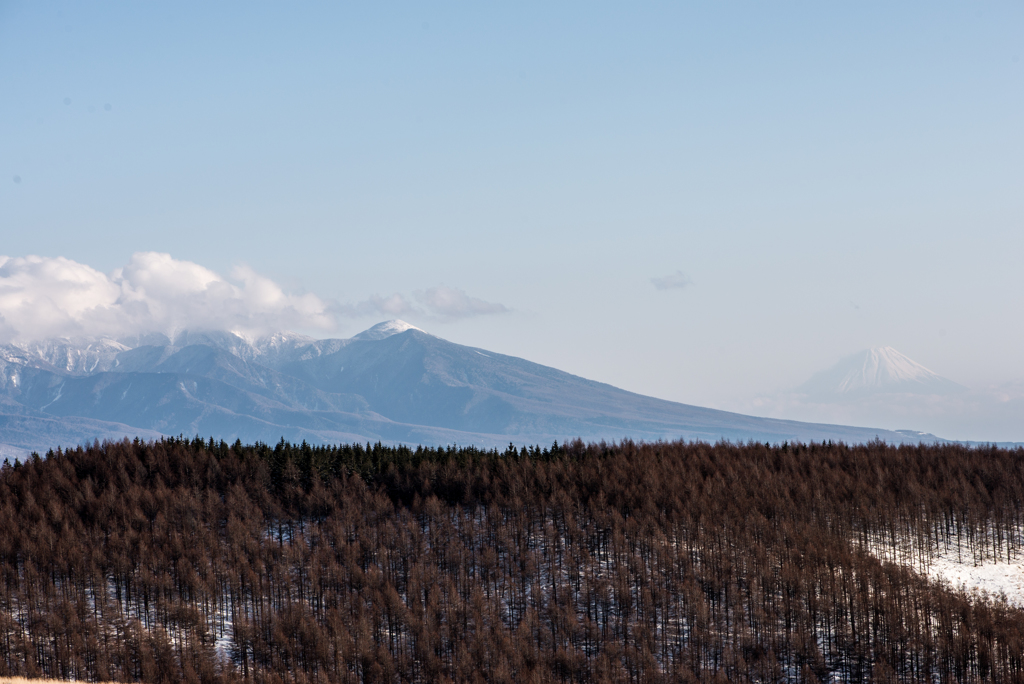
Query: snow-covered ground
[(961, 570), (991, 577)]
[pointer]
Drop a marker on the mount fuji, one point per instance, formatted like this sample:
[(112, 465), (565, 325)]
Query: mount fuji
[(393, 383), (879, 370), (882, 387)]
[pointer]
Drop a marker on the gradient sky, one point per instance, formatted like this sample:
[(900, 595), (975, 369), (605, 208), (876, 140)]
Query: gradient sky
[(701, 203)]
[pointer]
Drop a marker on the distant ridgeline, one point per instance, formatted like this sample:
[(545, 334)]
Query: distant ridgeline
[(392, 383), (192, 560)]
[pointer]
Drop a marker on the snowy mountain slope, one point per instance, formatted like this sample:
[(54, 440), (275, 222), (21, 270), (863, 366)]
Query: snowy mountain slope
[(23, 430), (71, 356), (385, 329), (877, 370), (94, 356), (171, 403), (392, 383)]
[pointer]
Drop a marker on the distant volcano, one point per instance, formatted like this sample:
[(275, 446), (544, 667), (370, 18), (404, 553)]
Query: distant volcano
[(879, 370)]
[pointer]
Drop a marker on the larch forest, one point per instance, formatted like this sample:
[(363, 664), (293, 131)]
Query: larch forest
[(197, 561)]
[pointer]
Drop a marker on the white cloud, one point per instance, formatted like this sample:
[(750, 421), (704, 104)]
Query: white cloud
[(677, 281), (42, 297), (451, 303), (45, 297), (395, 305), (439, 302)]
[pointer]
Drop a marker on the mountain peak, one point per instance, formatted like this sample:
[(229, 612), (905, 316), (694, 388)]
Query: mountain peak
[(879, 369), (385, 329)]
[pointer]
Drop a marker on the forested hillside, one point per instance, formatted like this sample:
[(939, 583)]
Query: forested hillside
[(187, 560)]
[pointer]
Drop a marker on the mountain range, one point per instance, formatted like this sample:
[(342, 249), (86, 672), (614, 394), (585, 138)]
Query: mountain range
[(392, 383)]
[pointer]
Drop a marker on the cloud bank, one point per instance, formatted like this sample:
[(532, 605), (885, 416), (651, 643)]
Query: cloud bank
[(673, 281), (44, 297), (440, 302), (48, 297)]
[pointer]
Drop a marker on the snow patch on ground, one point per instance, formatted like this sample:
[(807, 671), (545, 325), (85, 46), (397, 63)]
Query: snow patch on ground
[(961, 569), (994, 578)]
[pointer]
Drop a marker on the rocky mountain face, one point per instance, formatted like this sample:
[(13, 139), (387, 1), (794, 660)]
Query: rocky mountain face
[(393, 383)]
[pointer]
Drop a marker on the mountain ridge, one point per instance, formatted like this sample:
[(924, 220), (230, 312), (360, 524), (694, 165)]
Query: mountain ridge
[(391, 383)]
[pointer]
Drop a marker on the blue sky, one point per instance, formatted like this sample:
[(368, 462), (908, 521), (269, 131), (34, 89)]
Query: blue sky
[(818, 177)]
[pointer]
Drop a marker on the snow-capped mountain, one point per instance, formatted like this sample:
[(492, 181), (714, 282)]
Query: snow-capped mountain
[(385, 329), (879, 370), (885, 388), (67, 355), (393, 383), (86, 356)]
